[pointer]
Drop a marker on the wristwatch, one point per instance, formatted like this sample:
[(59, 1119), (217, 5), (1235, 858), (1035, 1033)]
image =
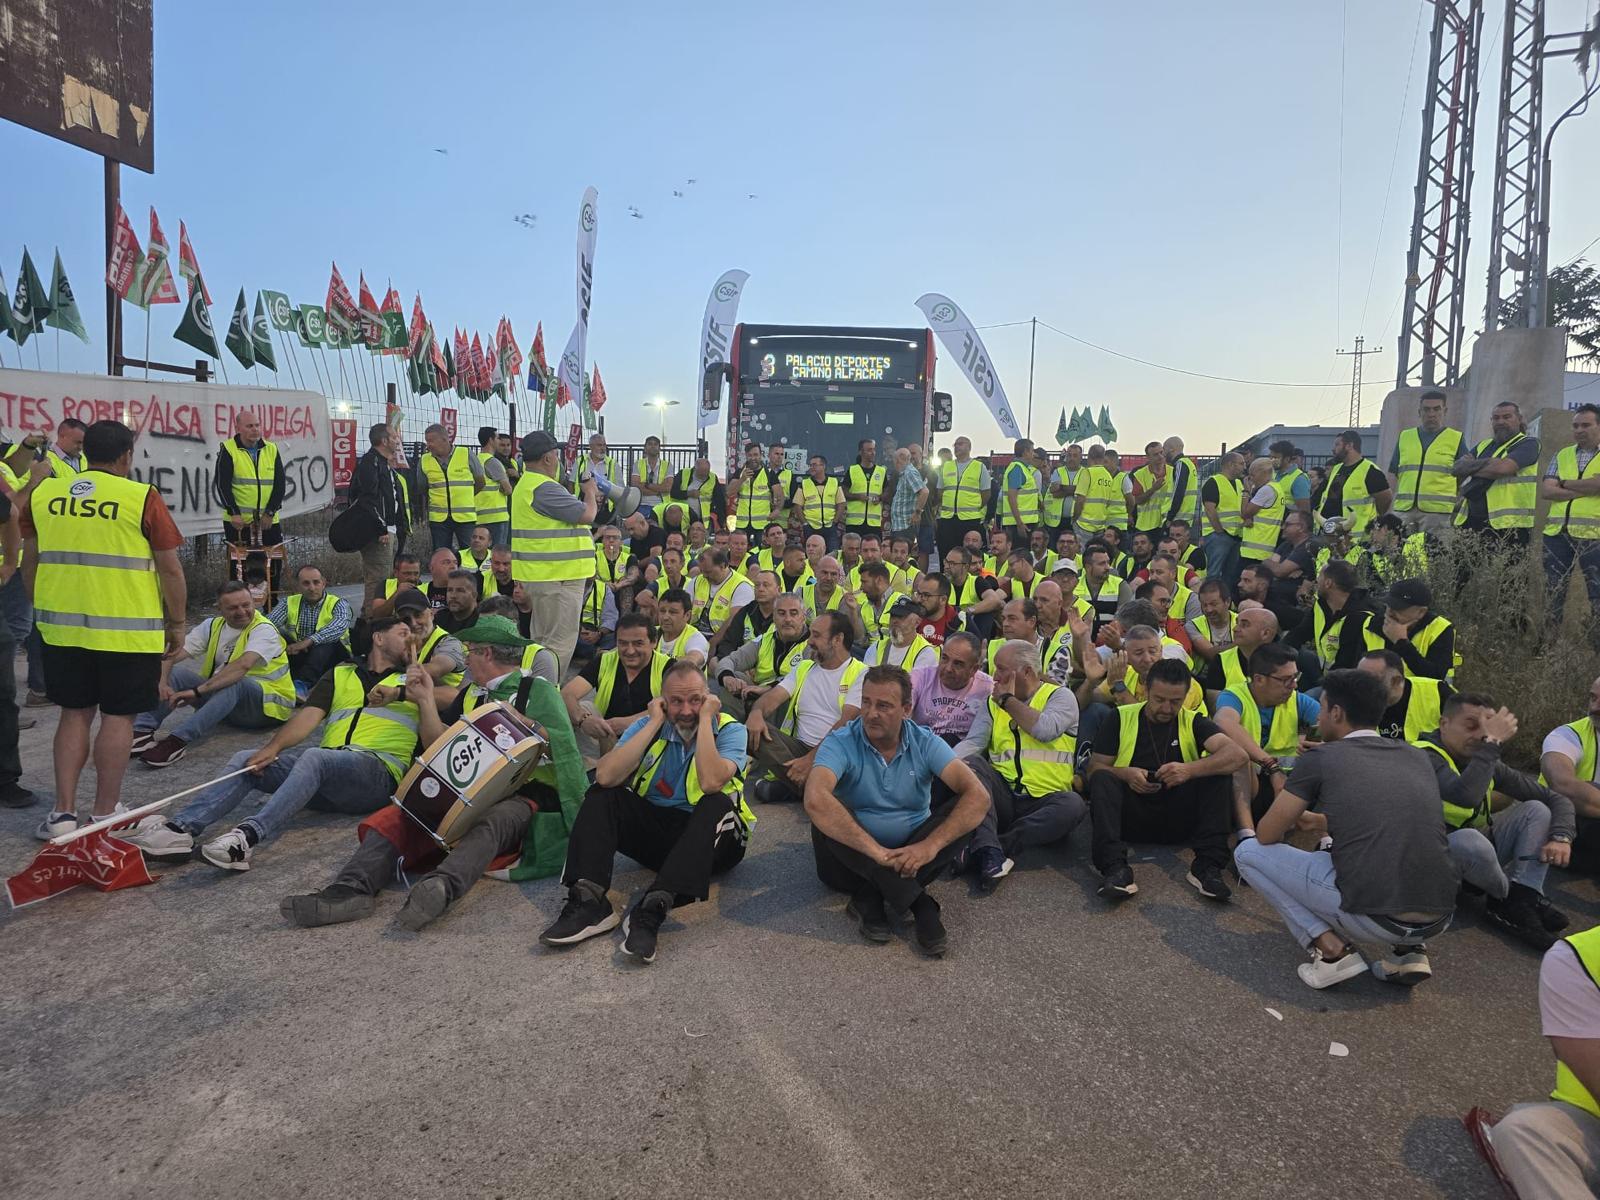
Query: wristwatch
[(1560, 837), (1119, 685)]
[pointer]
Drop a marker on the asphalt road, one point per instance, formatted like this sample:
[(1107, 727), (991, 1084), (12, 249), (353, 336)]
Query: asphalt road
[(181, 1040)]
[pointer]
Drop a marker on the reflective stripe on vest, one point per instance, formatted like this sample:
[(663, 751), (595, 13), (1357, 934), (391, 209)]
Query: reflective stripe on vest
[(818, 504), (1510, 501), (1153, 515), (852, 668), (1283, 739), (543, 549), (1457, 816), (770, 665), (1128, 734), (1055, 507), (494, 506), (1578, 518), (719, 604), (1230, 499), (451, 495), (1356, 502), (388, 733), (911, 654), (644, 777), (606, 570), (1424, 482), (959, 495), (609, 662), (755, 502), (867, 511), (1259, 538), (96, 586), (1027, 498), (277, 689), (1019, 757), (252, 477), (324, 614)]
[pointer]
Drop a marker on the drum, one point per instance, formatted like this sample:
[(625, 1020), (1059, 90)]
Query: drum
[(476, 763)]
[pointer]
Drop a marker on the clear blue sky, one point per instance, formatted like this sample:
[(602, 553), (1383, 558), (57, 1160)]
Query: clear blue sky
[(1167, 184)]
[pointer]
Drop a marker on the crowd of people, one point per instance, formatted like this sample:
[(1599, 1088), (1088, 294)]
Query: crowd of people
[(949, 664)]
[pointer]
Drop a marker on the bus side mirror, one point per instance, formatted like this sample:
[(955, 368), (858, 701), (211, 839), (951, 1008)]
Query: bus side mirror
[(711, 385), (944, 412)]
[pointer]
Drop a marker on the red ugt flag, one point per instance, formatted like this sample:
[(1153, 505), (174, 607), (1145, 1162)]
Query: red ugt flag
[(371, 317), (127, 259), (538, 368), (597, 391), (98, 860), (341, 305), (158, 285), (189, 265), (419, 327)]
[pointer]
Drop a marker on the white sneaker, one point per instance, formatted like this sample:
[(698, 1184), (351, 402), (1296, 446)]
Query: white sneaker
[(1406, 967), (1322, 972), (231, 851), (54, 825), (156, 839)]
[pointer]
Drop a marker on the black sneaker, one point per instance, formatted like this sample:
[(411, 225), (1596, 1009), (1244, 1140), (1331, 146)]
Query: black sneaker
[(586, 914), (993, 866), (641, 926), (1520, 918), (870, 916), (931, 935), (331, 906), (1551, 917), (14, 795), (1206, 878), (1118, 883)]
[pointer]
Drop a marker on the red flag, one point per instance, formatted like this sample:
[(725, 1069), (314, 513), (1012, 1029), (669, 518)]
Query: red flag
[(536, 353), (158, 285), (341, 305), (188, 264), (463, 355), (419, 327), (127, 259), (391, 301), (563, 396), (99, 860), (481, 378), (371, 316), (597, 391), (436, 356)]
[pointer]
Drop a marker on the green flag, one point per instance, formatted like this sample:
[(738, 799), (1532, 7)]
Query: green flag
[(1106, 430), (394, 331), (335, 334), (64, 308), (549, 425), (279, 311), (261, 338), (1082, 424), (1063, 431), (238, 339), (313, 325), (195, 328), (7, 326), (30, 306)]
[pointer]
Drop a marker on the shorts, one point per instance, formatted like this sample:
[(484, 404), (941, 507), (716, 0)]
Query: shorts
[(118, 684)]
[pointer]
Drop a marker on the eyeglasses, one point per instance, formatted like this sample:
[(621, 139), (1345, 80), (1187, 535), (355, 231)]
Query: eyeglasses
[(927, 595), (1291, 680)]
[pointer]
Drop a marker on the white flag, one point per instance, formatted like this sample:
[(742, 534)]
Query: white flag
[(572, 358), (722, 312), (962, 340)]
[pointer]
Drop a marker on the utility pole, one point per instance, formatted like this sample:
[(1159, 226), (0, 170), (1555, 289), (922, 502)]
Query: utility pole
[(1356, 356), (1033, 337)]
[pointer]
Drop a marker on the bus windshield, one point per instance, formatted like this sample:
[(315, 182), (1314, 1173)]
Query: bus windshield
[(808, 422)]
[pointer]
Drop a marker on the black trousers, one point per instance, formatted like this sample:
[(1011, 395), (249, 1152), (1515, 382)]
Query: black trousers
[(10, 757), (375, 862), (316, 661), (948, 532), (848, 870), (684, 847), (1196, 813)]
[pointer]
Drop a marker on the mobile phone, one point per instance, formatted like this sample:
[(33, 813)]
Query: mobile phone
[(1151, 777)]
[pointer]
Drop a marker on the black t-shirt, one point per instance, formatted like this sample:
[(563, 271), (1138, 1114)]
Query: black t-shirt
[(1152, 744), (435, 594), (446, 620), (1282, 592), (1332, 500), (321, 695), (653, 541), (1393, 725), (628, 697)]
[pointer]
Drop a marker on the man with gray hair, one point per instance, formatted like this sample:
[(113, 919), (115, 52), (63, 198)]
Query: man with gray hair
[(552, 550), (1021, 746)]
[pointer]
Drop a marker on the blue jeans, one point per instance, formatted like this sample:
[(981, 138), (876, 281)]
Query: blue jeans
[(444, 532), (16, 610), (1507, 852), (499, 532), (1222, 558), (338, 781), (1089, 723), (239, 704), (1561, 554), (1302, 886)]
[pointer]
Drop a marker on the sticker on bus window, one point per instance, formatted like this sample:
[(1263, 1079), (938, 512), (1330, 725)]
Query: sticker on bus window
[(795, 458)]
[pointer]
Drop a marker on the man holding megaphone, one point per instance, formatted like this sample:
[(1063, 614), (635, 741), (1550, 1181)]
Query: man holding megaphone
[(552, 548)]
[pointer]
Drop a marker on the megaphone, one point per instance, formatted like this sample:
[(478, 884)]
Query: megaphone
[(624, 501)]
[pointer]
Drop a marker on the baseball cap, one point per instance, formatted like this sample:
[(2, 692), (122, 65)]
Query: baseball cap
[(537, 444), (904, 607), (1410, 593), (410, 599)]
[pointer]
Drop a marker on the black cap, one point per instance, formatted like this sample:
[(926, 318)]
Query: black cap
[(1410, 593), (536, 445), (410, 600), (904, 607)]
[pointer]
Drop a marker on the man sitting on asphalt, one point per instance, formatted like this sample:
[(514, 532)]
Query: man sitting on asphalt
[(904, 647), (440, 653), (1425, 641), (615, 690), (460, 601), (744, 676), (720, 593), (316, 625), (890, 804), (818, 695), (1159, 772), (947, 695), (537, 660), (1267, 717), (669, 795), (231, 668), (1022, 748), (1388, 877), (1415, 704), (391, 837), (1254, 628), (366, 747), (1332, 626), (679, 639), (1571, 766), (1505, 851)]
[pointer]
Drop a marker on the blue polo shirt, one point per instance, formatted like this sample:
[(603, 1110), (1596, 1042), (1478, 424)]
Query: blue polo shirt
[(667, 784), (889, 799)]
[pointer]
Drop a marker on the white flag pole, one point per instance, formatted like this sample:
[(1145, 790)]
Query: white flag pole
[(144, 810)]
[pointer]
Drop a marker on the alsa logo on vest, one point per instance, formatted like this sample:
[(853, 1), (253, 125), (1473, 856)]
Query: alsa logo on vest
[(80, 502)]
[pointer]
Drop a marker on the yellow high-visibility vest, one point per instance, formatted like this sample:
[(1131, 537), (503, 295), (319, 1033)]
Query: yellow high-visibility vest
[(959, 494), (252, 477), (1027, 497), (544, 549), (1568, 1089), (1359, 508), (451, 491), (869, 510), (494, 506), (1578, 518), (1230, 502), (1424, 482), (277, 689), (1019, 757), (388, 732), (1259, 539)]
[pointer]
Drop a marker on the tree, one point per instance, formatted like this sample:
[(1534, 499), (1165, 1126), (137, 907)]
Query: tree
[(1574, 302)]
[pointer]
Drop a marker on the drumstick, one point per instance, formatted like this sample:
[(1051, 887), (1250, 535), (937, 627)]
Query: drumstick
[(144, 810)]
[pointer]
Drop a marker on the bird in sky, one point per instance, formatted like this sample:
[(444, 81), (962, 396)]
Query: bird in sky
[(635, 213), (437, 150), (751, 196), (677, 193), (694, 181), (526, 220)]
